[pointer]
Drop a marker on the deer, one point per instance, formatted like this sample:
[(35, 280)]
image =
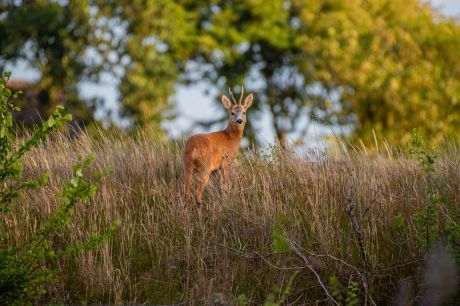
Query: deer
[(207, 153)]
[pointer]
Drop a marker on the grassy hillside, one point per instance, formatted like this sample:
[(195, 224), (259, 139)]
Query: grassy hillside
[(334, 221)]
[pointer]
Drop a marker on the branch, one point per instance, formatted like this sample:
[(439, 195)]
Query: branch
[(350, 207), (310, 267)]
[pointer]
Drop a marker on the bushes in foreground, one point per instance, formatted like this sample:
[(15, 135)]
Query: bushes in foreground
[(29, 260)]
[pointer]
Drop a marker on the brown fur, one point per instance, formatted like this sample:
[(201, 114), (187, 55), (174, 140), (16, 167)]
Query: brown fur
[(205, 153)]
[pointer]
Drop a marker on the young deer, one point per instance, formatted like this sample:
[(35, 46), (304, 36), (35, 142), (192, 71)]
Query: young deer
[(205, 153)]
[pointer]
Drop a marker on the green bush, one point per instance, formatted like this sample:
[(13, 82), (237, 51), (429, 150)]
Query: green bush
[(27, 268), (428, 227)]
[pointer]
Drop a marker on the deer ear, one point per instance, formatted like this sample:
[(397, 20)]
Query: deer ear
[(248, 101), (226, 102)]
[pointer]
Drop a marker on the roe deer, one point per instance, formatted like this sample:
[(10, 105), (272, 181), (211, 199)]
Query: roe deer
[(205, 153)]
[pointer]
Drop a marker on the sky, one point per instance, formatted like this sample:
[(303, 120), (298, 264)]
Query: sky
[(192, 103)]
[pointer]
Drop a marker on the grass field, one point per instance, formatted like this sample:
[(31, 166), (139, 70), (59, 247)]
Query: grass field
[(353, 217)]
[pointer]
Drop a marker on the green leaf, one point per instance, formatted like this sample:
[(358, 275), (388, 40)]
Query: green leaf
[(74, 182), (51, 122), (280, 242), (79, 172)]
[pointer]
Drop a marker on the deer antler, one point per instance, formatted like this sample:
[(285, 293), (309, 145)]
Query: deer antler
[(242, 94), (231, 94)]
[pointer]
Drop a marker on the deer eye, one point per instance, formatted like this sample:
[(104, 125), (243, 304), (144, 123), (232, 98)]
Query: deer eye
[(244, 113), (233, 114)]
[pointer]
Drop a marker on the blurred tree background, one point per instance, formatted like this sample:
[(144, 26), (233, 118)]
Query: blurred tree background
[(366, 65), (52, 38)]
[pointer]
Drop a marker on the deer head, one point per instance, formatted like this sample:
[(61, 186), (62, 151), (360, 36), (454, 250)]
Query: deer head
[(237, 110)]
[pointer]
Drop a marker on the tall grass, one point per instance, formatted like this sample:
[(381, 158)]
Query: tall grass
[(162, 253)]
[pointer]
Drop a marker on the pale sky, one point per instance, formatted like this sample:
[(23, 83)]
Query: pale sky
[(192, 104)]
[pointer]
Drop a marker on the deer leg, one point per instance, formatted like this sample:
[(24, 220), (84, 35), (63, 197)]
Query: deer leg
[(225, 175), (188, 183), (203, 179)]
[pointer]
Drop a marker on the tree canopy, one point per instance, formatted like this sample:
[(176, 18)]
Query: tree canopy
[(53, 38), (370, 66), (390, 65)]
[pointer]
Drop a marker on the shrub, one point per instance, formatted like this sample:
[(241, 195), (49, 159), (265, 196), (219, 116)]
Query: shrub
[(25, 269)]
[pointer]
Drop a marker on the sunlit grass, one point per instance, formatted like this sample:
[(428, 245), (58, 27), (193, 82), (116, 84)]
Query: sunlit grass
[(162, 253)]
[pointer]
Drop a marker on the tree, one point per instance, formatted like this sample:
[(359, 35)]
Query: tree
[(390, 65), (256, 43), (382, 66), (156, 39), (227, 40), (367, 65), (53, 37)]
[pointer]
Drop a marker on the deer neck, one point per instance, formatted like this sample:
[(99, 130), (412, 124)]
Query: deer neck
[(235, 131)]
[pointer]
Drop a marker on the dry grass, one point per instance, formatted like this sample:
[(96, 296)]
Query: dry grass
[(163, 254)]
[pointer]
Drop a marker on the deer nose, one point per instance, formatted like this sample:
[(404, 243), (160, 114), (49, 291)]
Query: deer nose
[(239, 121)]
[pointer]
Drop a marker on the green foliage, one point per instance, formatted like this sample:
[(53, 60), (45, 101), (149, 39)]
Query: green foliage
[(27, 268), (10, 157), (157, 44), (279, 295), (257, 40), (427, 222), (344, 295), (364, 65), (242, 300), (53, 38), (280, 242), (425, 158), (383, 66), (399, 223), (426, 219)]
